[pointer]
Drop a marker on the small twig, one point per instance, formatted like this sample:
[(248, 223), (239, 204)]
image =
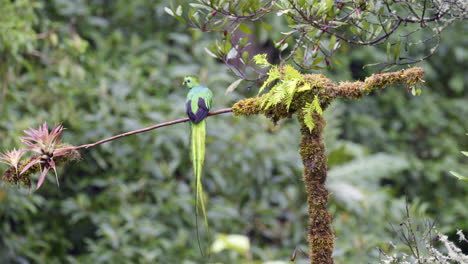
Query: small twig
[(182, 120)]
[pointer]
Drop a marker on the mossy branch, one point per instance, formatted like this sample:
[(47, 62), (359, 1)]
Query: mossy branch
[(409, 77), (326, 90)]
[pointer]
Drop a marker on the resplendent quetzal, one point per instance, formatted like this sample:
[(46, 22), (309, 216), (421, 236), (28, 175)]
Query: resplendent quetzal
[(198, 105)]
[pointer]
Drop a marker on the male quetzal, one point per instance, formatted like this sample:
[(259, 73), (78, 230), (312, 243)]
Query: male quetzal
[(198, 105)]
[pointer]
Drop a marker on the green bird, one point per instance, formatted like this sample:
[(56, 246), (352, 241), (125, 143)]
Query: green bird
[(199, 100)]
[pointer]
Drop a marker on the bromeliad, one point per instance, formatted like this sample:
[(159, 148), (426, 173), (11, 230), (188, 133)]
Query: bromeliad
[(199, 100)]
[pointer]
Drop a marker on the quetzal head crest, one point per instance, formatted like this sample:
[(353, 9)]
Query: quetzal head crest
[(191, 81)]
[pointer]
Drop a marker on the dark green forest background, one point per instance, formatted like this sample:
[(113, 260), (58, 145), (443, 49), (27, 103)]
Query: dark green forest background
[(104, 67)]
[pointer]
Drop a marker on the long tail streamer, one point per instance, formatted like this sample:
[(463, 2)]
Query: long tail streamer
[(198, 158)]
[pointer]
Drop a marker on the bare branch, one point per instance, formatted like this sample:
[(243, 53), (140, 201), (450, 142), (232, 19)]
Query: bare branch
[(182, 120)]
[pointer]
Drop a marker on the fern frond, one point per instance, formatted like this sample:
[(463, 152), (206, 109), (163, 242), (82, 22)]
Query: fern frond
[(305, 87), (273, 74), (275, 96), (316, 105), (261, 59), (290, 88), (282, 92), (309, 109), (308, 118), (289, 73)]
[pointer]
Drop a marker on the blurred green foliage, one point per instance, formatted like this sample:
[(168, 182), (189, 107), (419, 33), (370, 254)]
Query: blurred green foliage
[(105, 67)]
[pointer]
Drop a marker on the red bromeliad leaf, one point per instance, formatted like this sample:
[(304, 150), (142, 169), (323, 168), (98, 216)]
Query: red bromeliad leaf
[(30, 164), (12, 158), (41, 140), (48, 145), (42, 177), (56, 176), (61, 152)]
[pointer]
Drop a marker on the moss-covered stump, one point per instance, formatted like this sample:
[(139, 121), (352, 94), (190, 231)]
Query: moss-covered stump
[(307, 96)]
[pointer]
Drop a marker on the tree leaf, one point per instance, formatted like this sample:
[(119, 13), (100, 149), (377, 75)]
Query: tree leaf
[(231, 54), (233, 86), (210, 53), (179, 10), (168, 11), (266, 26), (246, 29), (459, 176), (234, 242)]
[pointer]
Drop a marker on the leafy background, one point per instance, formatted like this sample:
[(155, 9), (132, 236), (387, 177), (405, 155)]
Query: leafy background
[(104, 67)]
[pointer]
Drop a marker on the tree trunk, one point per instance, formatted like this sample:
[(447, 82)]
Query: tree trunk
[(312, 150)]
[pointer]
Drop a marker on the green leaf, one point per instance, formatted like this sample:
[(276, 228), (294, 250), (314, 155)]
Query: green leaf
[(232, 54), (245, 57), (246, 29), (168, 11), (284, 46), (237, 243), (332, 43), (284, 11), (338, 23), (227, 44), (459, 176), (181, 19), (200, 6), (266, 26), (210, 53), (318, 60), (233, 86), (329, 4), (179, 11)]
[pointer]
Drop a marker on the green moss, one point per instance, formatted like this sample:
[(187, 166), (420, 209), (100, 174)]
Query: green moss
[(408, 77), (247, 107), (312, 150)]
